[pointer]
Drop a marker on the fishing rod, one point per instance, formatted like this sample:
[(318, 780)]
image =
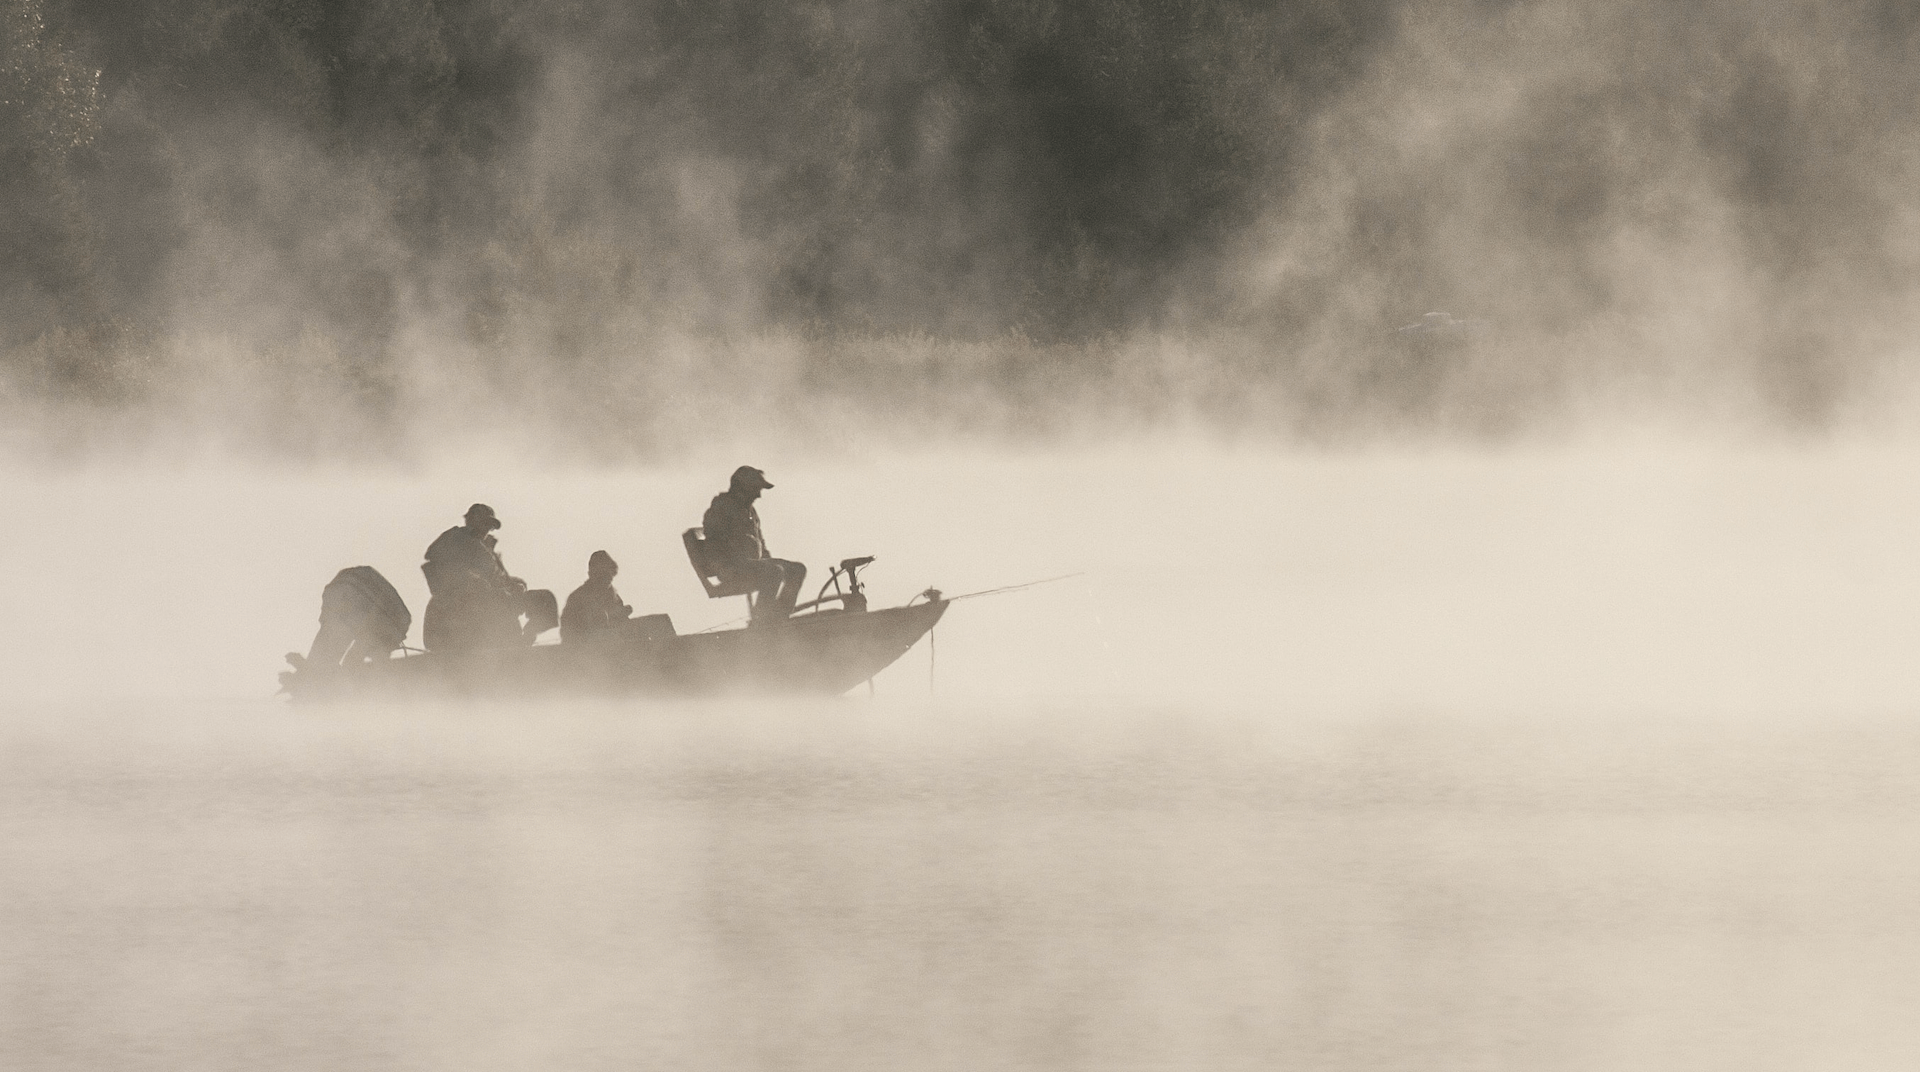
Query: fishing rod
[(1008, 587), (933, 594)]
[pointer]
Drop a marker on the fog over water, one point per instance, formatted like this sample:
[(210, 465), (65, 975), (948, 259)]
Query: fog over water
[(1656, 575), (1481, 437), (1571, 758)]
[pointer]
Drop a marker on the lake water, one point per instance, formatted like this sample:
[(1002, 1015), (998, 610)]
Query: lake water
[(1571, 760)]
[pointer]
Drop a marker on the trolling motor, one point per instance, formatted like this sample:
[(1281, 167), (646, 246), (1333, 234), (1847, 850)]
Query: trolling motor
[(853, 598)]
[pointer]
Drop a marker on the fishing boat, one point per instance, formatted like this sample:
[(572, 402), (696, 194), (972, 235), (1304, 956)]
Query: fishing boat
[(828, 646)]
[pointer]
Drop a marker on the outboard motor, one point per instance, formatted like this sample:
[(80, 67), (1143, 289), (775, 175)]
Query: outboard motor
[(362, 618)]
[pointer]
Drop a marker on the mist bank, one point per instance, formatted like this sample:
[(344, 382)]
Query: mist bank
[(1663, 579), (831, 394), (311, 227)]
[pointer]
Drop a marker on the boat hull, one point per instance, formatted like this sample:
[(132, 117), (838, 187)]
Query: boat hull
[(822, 654)]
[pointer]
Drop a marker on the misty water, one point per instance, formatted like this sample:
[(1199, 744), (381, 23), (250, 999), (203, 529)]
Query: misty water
[(1555, 758)]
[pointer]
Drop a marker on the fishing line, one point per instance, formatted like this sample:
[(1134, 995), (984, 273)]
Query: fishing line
[(1014, 587), (933, 651), (932, 593)]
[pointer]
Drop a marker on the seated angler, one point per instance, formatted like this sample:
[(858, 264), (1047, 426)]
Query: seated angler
[(474, 603), (594, 610), (739, 552)]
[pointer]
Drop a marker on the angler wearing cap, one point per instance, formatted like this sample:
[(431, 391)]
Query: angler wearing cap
[(475, 603), (739, 552), (594, 610)]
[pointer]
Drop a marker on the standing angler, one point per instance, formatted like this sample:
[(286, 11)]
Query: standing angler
[(739, 552)]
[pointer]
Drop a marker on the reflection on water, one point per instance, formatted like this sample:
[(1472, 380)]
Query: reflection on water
[(854, 885)]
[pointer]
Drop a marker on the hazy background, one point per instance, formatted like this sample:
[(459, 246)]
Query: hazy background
[(1532, 690), (615, 228)]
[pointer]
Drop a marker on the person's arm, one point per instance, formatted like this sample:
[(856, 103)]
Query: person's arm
[(611, 608), (753, 534), (730, 531)]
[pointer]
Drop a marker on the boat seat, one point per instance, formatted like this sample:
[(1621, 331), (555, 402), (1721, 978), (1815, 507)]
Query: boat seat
[(696, 541)]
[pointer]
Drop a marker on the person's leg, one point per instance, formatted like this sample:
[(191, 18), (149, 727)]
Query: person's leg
[(766, 602), (764, 577), (461, 625), (437, 631), (501, 628), (793, 576)]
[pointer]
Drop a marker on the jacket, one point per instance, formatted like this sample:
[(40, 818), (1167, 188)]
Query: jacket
[(460, 566), (593, 608), (733, 530)]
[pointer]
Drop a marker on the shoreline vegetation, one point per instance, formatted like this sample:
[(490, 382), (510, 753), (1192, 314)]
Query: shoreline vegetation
[(326, 227)]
